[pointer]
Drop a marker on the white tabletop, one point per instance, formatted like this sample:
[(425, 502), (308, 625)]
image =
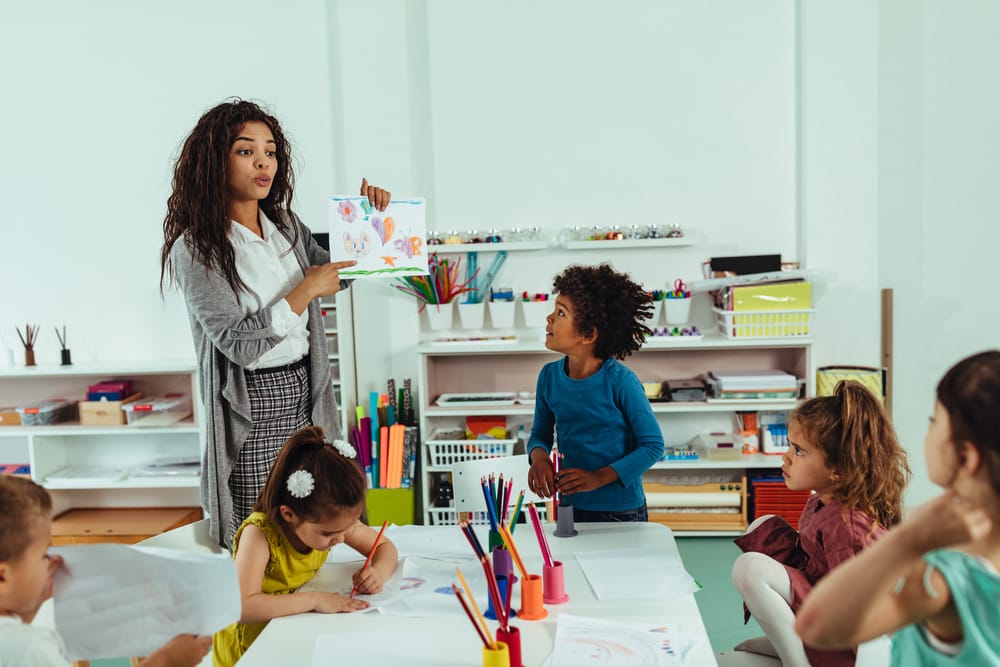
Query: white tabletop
[(290, 641)]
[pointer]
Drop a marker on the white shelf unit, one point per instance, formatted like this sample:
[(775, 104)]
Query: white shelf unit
[(514, 368), (338, 324), (49, 448)]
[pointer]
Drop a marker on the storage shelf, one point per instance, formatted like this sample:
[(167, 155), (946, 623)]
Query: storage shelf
[(513, 246), (99, 369), (75, 428), (727, 405), (745, 461), (710, 341), (129, 483), (686, 240)]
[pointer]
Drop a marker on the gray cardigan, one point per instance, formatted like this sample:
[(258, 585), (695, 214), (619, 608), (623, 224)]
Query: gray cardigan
[(225, 341)]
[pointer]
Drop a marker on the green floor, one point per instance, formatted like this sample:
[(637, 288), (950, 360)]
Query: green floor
[(709, 560)]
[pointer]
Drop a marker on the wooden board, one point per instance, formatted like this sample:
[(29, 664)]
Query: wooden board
[(124, 525)]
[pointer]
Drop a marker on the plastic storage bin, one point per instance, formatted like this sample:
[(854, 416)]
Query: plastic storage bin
[(442, 452), (764, 323), (158, 410), (43, 413)]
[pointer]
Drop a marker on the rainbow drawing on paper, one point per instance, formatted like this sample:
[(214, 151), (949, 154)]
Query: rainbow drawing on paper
[(383, 243)]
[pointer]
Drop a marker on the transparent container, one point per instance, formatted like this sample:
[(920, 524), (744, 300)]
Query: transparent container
[(162, 410), (43, 413)]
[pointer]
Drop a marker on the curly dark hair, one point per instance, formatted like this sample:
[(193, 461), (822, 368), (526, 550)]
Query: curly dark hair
[(970, 393), (198, 207), (609, 303), (857, 439)]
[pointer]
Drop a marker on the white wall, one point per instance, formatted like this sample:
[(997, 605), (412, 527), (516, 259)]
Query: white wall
[(854, 137)]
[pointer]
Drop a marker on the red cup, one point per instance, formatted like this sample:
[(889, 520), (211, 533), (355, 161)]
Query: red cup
[(512, 638)]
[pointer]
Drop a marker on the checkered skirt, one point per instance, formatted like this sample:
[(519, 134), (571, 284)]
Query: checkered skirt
[(279, 405)]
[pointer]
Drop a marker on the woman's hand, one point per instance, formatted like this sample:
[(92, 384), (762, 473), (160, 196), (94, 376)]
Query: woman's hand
[(335, 603), (367, 581), (377, 197), (541, 479), (324, 280)]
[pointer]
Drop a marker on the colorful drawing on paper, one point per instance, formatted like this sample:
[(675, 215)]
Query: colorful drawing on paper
[(383, 243), (589, 641)]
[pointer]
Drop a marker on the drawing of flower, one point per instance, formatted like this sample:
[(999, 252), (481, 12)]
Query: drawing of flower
[(348, 211)]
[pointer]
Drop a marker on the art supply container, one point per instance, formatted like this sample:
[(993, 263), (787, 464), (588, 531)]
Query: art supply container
[(439, 315), (67, 360), (503, 564), (535, 312), (502, 314), (827, 378), (491, 612), (496, 657), (677, 310), (472, 315), (553, 584), (532, 608), (512, 638), (564, 522), (29, 357)]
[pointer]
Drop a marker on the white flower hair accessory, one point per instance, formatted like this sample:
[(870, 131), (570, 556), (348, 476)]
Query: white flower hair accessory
[(344, 448), (300, 483)]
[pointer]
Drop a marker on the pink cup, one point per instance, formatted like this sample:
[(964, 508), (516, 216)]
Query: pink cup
[(554, 587)]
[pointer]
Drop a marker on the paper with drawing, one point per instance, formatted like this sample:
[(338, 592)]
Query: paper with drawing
[(383, 243)]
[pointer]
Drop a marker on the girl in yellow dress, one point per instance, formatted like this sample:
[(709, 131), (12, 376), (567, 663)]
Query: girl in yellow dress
[(311, 502)]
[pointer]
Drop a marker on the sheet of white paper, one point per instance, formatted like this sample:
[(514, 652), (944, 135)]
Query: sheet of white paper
[(408, 647), (113, 599), (651, 573), (589, 641), (426, 588), (383, 243), (337, 578)]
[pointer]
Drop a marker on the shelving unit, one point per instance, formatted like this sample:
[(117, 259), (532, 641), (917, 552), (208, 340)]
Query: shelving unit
[(337, 321), (47, 449)]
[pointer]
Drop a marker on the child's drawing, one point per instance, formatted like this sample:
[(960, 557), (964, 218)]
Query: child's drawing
[(589, 641), (384, 243)]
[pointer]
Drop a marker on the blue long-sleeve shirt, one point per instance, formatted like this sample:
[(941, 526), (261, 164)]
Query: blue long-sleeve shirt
[(604, 419)]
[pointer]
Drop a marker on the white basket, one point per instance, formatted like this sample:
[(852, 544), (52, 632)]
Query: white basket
[(447, 452), (448, 516), (764, 323)]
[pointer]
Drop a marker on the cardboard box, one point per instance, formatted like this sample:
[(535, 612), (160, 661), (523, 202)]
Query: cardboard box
[(104, 413), (9, 416)]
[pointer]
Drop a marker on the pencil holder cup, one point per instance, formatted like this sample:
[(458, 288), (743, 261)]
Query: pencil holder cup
[(564, 522), (502, 314), (491, 612), (6, 357), (503, 564), (66, 359), (535, 312), (29, 357), (553, 584), (439, 315), (512, 638), (472, 315), (496, 657), (532, 608), (677, 311)]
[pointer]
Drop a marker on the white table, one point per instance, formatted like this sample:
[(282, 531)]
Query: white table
[(290, 641)]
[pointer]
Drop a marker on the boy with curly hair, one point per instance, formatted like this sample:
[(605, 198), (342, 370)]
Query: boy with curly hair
[(590, 404)]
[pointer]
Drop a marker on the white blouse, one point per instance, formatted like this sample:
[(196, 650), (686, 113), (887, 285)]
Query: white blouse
[(268, 267)]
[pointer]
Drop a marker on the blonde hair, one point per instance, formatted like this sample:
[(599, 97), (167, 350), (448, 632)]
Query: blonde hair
[(854, 433), (23, 505)]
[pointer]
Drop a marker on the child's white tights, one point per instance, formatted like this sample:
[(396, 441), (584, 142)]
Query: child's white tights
[(767, 592)]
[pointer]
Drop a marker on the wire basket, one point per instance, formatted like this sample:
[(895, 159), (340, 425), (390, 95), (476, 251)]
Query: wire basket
[(764, 323), (447, 452), (448, 516)]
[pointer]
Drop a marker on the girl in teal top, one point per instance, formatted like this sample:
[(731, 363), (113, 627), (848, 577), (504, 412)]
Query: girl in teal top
[(933, 579)]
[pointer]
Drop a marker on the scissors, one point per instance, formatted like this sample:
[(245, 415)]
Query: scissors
[(680, 288)]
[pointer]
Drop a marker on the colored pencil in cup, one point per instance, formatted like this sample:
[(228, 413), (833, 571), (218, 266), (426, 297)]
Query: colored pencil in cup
[(543, 544), (368, 561)]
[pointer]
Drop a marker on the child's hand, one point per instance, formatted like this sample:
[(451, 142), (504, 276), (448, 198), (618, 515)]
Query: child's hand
[(367, 581), (578, 480), (335, 603), (541, 479), (944, 521), (377, 197), (181, 651)]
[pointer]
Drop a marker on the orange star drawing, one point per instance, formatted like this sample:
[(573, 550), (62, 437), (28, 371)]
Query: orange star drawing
[(391, 261)]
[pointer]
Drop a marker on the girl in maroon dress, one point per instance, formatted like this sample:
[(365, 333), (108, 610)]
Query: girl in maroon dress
[(843, 448)]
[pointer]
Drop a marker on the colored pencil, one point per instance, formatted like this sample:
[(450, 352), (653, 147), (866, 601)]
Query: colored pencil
[(517, 511), (508, 540), (472, 601), (486, 642), (543, 544), (368, 561), (470, 535)]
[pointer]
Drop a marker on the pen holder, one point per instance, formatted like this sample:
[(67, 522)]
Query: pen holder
[(66, 359), (491, 612), (503, 564), (29, 357), (677, 310), (496, 657), (502, 314), (564, 522), (439, 315), (472, 315), (531, 599), (512, 638), (535, 313), (553, 584)]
